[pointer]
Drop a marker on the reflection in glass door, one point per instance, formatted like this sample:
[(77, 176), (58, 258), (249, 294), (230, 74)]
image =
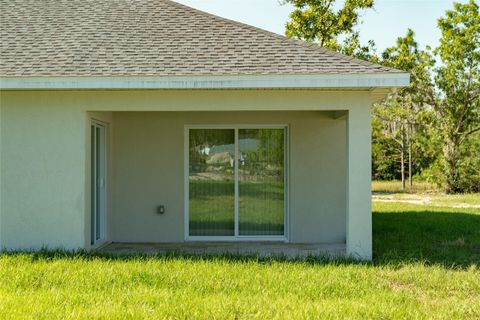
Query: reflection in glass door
[(211, 182), (236, 182), (261, 201)]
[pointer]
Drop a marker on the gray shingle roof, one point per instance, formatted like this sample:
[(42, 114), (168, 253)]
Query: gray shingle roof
[(149, 38)]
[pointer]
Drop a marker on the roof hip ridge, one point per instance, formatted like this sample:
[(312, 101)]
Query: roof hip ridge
[(108, 38), (306, 44)]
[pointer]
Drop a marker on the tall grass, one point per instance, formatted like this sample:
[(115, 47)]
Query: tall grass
[(395, 186), (426, 266)]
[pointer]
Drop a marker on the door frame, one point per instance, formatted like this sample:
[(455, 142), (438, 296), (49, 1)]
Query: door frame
[(104, 193), (237, 237)]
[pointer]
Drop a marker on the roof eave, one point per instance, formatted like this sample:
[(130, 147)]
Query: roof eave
[(310, 81)]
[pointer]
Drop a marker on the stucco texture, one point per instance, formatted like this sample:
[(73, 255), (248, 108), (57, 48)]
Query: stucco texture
[(44, 187), (148, 170)]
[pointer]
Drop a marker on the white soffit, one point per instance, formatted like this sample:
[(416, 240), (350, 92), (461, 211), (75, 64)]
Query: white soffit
[(324, 81)]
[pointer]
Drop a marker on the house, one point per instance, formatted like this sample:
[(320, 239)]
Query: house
[(151, 122)]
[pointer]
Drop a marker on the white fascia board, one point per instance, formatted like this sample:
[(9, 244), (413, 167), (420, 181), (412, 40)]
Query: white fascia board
[(323, 81)]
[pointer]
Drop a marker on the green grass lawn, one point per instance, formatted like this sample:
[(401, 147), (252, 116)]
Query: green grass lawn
[(426, 266), (396, 186)]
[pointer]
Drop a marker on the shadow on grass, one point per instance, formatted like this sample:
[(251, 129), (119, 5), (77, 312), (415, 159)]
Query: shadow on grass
[(60, 254), (451, 239), (448, 239)]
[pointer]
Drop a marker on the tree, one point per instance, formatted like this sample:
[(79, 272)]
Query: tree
[(351, 46), (317, 21), (409, 123), (401, 116), (458, 101)]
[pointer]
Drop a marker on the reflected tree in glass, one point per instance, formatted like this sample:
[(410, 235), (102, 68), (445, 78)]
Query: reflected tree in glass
[(211, 182), (261, 181)]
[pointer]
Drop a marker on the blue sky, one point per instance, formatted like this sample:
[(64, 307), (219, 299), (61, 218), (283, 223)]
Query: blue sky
[(389, 20)]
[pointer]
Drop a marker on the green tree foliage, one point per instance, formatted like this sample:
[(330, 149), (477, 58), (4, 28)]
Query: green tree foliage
[(269, 155), (458, 101), (400, 122), (351, 46), (318, 21), (435, 122)]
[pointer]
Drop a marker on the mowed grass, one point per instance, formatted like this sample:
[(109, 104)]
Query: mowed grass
[(436, 234), (426, 266)]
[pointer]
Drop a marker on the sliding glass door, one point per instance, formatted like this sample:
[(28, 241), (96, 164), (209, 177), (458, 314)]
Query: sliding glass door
[(98, 182), (261, 190), (236, 182), (211, 182)]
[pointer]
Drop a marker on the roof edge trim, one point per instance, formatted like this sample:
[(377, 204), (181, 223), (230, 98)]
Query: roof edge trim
[(322, 81)]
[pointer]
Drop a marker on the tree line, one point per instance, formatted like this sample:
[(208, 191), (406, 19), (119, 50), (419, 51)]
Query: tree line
[(430, 130)]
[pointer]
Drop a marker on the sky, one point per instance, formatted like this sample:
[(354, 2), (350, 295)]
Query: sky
[(387, 21)]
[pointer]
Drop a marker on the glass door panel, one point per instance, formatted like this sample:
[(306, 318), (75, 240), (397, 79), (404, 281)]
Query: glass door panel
[(211, 182), (261, 201), (98, 183)]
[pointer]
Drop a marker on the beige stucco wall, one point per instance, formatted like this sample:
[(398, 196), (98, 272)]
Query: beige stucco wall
[(45, 173), (42, 176), (148, 170)]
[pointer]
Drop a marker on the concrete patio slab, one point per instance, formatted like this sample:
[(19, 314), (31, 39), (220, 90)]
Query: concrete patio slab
[(260, 249)]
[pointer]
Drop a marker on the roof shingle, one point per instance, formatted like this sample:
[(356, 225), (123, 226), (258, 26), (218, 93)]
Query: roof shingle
[(150, 38)]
